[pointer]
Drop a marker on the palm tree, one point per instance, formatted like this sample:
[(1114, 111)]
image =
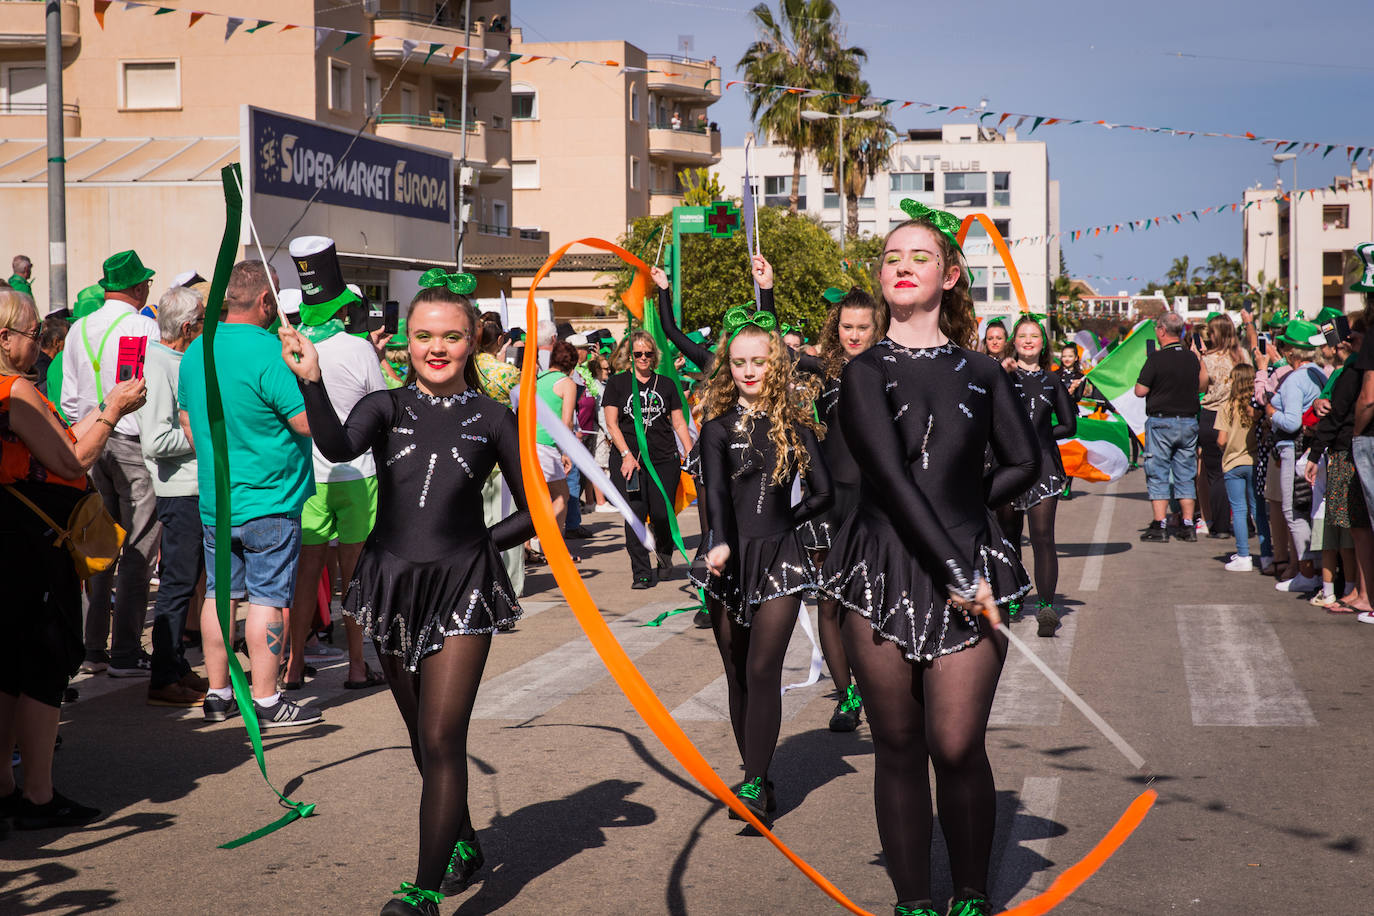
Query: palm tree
[(801, 48)]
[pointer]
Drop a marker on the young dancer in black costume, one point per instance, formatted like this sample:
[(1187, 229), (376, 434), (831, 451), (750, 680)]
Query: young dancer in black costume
[(430, 587), (756, 439), (1053, 415), (922, 556)]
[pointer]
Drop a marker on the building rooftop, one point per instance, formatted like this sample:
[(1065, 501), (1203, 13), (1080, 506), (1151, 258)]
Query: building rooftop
[(120, 159)]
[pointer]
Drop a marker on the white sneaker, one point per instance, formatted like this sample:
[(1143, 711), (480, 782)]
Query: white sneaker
[(606, 507), (1240, 564), (1365, 617), (1298, 583), (1200, 527)]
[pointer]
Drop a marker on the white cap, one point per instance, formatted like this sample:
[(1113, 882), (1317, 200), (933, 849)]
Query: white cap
[(288, 300), (579, 340), (187, 277)]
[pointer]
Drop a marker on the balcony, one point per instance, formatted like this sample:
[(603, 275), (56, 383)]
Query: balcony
[(22, 24), (437, 133), (689, 145), (684, 78), (482, 239), (400, 26), (30, 119), (663, 200)]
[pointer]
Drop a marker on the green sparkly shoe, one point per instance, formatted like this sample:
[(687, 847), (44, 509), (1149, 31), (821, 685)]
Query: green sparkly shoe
[(462, 865), (846, 717), (751, 793), (415, 901), (1013, 611), (971, 906), (917, 908)]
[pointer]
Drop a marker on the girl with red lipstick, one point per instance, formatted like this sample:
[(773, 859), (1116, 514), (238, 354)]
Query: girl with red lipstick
[(430, 586), (921, 561), (757, 437), (1054, 416)]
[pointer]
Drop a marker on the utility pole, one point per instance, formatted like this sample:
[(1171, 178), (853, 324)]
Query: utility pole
[(57, 163), (463, 122)]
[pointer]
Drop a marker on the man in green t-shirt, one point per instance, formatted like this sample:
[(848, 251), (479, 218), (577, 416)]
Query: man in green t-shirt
[(23, 274), (270, 478)]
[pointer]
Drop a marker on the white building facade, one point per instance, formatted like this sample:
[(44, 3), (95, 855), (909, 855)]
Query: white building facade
[(1318, 233), (958, 167)]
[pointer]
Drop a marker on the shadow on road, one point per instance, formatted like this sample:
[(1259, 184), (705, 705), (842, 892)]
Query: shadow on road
[(1082, 550), (29, 890)]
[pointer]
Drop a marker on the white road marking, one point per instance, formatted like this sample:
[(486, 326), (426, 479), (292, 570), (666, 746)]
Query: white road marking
[(1024, 697), (1092, 565), (1025, 867), (542, 683), (1237, 671)]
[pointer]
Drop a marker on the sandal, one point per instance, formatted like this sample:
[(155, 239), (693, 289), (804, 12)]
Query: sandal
[(1340, 607), (370, 679)]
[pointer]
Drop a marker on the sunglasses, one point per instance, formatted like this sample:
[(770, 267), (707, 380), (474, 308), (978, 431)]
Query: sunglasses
[(643, 354), (36, 333)]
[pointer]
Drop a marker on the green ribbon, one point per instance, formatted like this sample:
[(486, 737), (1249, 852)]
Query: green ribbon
[(946, 223), (232, 180), (460, 283)]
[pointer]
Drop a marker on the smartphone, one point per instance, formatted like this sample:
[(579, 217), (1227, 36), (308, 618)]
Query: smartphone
[(391, 316), (632, 482), (1262, 341), (1336, 330), (1197, 339), (131, 353)]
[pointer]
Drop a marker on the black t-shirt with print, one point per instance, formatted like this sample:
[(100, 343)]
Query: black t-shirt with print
[(658, 398)]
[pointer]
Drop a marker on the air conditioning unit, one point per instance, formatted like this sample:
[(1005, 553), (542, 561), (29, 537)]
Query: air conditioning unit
[(467, 176)]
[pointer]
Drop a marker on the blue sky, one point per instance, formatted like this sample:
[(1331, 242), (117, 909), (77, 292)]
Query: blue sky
[(1297, 70)]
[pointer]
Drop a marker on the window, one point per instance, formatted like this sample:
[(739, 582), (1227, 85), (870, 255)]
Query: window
[(634, 102), (500, 216), (372, 93), (866, 203), (410, 101), (151, 84), (978, 283), (444, 106), (522, 104), (634, 173), (338, 86), (1001, 285), (911, 182), (976, 230), (1001, 189), (966, 189), (524, 174), (777, 190), (1333, 266), (26, 87), (1336, 216)]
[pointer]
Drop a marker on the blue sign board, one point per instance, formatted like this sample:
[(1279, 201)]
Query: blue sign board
[(304, 159)]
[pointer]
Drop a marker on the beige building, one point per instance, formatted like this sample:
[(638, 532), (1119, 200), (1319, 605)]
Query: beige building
[(597, 147), (155, 105), (1317, 233)]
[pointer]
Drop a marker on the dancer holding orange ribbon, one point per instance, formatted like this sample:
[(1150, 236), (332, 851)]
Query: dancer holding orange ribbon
[(757, 437), (430, 586), (922, 558)]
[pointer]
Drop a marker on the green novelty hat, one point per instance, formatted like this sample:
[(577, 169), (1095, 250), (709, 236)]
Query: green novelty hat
[(323, 291), (1328, 313), (1366, 282), (123, 270), (1302, 333), (88, 300)]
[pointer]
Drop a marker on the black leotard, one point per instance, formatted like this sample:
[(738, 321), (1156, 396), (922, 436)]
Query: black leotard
[(918, 421), (1043, 393), (844, 471), (754, 515), (430, 567)]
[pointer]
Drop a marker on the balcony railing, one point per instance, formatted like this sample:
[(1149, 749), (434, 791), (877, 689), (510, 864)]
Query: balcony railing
[(682, 127), (510, 232), (679, 59), (444, 18), (437, 122), (35, 108)]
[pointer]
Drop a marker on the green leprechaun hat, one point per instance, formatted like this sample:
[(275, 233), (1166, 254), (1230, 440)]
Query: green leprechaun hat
[(123, 270), (1302, 333), (323, 291), (1366, 282), (88, 300), (1328, 313)]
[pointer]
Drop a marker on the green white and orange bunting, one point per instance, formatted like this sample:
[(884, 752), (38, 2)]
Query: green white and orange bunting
[(492, 57)]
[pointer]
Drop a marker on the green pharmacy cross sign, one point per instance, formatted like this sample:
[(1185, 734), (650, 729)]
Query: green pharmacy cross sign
[(721, 220)]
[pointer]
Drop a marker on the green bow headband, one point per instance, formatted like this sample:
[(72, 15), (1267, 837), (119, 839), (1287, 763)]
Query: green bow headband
[(736, 320), (459, 283), (946, 223), (799, 328)]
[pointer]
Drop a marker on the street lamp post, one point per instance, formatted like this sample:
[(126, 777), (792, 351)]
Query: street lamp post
[(1280, 158), (867, 114), (1264, 262)]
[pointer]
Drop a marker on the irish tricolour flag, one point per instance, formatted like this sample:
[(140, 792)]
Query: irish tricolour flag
[(1115, 376), (1100, 450)]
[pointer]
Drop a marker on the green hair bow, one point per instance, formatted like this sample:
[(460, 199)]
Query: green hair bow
[(946, 223), (460, 283), (736, 320), (799, 328)]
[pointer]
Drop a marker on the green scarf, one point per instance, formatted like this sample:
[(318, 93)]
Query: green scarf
[(319, 333)]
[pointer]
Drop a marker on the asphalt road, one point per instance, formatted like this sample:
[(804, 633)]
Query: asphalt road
[(1251, 709)]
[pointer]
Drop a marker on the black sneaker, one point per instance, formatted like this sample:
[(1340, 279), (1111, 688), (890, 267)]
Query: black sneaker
[(60, 811), (915, 908), (749, 793), (701, 620), (971, 906), (465, 862), (217, 710), (284, 713), (1156, 532), (643, 582), (142, 666), (413, 902), (9, 805), (1046, 619), (1187, 533), (846, 715), (665, 566)]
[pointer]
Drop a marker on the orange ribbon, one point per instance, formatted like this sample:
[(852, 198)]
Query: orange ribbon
[(1001, 245), (632, 682)]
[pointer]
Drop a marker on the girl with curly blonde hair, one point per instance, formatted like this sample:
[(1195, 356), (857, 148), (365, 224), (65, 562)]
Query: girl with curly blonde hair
[(757, 438)]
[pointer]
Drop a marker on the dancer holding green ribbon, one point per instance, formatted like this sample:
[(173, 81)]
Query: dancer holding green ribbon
[(430, 588), (757, 438)]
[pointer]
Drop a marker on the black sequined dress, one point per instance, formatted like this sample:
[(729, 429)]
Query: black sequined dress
[(1053, 416)]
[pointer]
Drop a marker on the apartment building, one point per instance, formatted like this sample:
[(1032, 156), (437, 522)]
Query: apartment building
[(596, 147), (1317, 233), (154, 105), (957, 167)]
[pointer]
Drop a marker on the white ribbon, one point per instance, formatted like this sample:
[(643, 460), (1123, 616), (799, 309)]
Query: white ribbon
[(591, 471), (817, 659)]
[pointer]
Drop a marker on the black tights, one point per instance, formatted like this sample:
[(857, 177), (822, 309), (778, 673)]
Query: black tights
[(753, 657), (436, 704), (832, 646), (1041, 538), (936, 711)]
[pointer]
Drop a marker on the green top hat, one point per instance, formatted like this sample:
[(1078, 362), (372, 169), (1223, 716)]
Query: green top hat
[(1327, 314), (88, 300), (123, 270), (323, 291), (1366, 282), (1302, 333)]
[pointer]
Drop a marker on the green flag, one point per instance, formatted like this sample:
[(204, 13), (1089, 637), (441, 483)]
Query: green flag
[(1115, 376)]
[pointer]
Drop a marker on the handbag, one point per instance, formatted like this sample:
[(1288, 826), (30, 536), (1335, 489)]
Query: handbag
[(92, 536)]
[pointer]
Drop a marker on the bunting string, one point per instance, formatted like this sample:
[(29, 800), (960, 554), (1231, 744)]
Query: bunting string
[(492, 58)]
